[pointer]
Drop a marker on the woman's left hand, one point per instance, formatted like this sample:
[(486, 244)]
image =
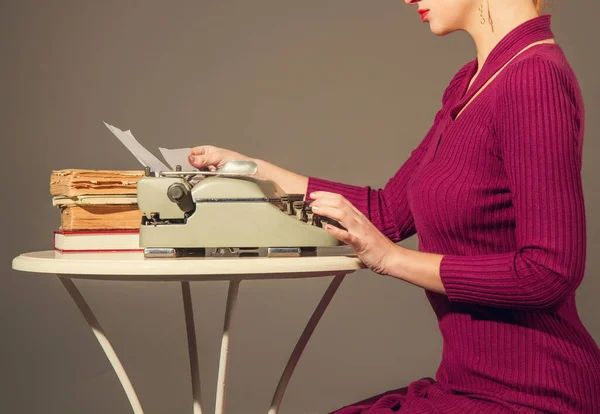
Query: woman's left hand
[(372, 247)]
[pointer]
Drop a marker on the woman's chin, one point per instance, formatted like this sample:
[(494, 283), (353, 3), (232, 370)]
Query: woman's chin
[(438, 29)]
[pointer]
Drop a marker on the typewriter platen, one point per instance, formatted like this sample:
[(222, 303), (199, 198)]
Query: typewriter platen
[(225, 213)]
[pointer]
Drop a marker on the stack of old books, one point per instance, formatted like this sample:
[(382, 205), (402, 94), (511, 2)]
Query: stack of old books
[(98, 210)]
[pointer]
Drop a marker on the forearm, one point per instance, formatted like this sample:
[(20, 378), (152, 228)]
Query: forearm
[(290, 182), (418, 268), (509, 279)]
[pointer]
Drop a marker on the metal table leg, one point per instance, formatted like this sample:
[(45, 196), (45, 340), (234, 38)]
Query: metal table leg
[(224, 357), (192, 349), (104, 343), (301, 344)]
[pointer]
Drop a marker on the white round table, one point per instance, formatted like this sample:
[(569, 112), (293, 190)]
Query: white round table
[(133, 266)]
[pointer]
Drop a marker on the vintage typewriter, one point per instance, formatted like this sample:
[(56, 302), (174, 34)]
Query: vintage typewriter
[(225, 212)]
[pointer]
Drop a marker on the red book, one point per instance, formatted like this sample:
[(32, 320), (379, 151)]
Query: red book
[(88, 241)]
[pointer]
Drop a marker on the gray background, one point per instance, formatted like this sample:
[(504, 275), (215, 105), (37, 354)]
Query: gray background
[(339, 89)]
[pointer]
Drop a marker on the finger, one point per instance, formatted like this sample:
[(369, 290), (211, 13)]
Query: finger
[(343, 212), (328, 211), (201, 161), (320, 194), (343, 236), (331, 200), (339, 202), (347, 219), (316, 195), (200, 150)]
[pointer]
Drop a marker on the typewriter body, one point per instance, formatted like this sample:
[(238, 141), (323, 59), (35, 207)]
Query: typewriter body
[(225, 213)]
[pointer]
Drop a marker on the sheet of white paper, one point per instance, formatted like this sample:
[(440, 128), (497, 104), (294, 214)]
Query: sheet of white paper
[(125, 140), (145, 157), (177, 156)]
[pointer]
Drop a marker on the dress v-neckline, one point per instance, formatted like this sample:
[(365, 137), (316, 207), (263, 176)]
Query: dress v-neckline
[(531, 31)]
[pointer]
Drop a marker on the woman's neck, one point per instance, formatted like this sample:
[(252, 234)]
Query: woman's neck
[(506, 15)]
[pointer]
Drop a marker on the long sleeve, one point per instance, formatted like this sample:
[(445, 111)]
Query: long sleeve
[(388, 208), (539, 125)]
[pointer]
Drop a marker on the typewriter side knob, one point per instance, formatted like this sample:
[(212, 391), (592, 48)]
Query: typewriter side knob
[(152, 197), (176, 192), (180, 194)]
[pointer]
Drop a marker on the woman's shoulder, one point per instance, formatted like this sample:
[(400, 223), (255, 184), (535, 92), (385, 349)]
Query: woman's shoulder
[(538, 79), (543, 53), (541, 65)]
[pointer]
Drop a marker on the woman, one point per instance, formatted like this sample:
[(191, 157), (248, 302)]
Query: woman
[(494, 194)]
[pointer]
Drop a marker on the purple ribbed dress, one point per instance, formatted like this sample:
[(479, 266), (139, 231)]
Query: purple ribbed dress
[(498, 192)]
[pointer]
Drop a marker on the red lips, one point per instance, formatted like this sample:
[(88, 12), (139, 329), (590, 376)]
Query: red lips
[(423, 13)]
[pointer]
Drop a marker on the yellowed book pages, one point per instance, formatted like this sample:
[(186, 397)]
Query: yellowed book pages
[(74, 182), (105, 199), (99, 217)]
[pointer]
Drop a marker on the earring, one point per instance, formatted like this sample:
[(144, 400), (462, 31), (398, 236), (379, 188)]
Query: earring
[(481, 12), (490, 15)]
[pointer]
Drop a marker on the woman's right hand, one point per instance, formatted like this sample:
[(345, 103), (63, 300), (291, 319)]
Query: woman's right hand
[(212, 158)]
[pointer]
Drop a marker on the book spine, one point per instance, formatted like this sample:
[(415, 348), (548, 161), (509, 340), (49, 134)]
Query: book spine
[(99, 251), (117, 231)]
